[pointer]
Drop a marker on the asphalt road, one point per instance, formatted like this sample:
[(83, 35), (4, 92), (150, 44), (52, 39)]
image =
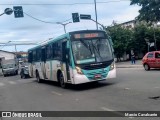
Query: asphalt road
[(133, 90)]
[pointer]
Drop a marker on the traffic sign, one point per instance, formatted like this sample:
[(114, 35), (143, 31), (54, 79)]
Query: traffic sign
[(83, 16), (75, 17), (8, 11), (18, 11)]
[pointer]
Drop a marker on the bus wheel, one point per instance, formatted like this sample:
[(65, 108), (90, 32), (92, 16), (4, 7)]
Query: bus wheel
[(38, 78), (61, 80)]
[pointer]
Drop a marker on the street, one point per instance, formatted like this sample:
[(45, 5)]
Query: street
[(134, 89)]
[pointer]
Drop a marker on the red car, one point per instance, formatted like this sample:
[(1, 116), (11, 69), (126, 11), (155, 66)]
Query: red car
[(151, 60)]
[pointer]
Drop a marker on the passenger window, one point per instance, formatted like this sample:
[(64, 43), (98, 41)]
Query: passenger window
[(157, 55), (150, 55)]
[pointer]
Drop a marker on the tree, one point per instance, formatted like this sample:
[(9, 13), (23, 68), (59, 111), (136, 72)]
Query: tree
[(141, 33), (121, 38), (150, 11)]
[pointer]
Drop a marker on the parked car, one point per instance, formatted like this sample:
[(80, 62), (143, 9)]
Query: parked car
[(9, 69), (24, 73), (151, 60)]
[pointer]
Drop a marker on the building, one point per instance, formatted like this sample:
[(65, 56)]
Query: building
[(5, 55), (22, 56), (129, 24)]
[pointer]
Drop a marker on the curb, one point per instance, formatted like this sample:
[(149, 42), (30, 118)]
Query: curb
[(129, 66), (1, 72)]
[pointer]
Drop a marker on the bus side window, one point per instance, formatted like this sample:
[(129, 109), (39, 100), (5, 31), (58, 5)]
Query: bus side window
[(30, 57), (43, 55)]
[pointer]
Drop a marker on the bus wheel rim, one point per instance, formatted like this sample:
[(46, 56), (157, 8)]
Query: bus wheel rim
[(62, 80)]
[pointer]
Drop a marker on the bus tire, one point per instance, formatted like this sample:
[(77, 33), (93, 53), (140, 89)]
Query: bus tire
[(61, 80), (38, 78)]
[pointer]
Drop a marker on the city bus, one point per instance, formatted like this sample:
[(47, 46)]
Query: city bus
[(73, 58)]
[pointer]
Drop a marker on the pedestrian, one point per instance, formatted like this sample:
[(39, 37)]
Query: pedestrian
[(133, 58)]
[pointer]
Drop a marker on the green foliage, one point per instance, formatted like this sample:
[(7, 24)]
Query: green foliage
[(121, 39), (125, 40), (150, 11)]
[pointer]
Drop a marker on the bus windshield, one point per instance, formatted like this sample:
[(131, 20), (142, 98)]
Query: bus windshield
[(91, 51)]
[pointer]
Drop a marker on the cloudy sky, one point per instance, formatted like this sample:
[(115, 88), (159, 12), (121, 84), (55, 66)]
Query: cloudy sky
[(31, 30)]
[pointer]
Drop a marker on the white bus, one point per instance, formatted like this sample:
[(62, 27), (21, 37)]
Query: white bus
[(75, 57)]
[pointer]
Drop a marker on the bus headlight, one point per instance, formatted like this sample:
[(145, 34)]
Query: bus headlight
[(79, 71), (112, 66)]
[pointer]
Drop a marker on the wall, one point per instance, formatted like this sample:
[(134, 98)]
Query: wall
[(7, 55)]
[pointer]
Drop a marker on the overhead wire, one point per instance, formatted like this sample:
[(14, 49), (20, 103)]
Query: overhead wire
[(103, 2)]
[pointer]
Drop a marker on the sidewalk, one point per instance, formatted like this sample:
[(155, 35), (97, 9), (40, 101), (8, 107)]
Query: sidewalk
[(127, 64)]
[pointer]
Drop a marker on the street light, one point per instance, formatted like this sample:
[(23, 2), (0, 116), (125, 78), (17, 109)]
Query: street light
[(98, 24), (64, 25)]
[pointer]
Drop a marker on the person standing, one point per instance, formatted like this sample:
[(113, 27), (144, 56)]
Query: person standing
[(133, 58)]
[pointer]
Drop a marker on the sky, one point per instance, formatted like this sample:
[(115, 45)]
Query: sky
[(27, 29)]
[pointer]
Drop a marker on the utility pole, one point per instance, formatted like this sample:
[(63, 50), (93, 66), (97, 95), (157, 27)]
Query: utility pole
[(98, 24), (96, 13), (155, 44)]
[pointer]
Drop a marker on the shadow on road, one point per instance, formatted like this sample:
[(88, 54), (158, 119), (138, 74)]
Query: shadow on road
[(80, 87), (88, 86), (155, 69)]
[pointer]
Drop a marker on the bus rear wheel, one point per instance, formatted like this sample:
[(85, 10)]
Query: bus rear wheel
[(61, 80), (38, 78)]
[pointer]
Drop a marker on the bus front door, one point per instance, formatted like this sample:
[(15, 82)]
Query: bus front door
[(65, 60)]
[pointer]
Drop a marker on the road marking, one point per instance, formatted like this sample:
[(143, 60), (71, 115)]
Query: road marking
[(53, 92), (156, 87), (106, 109), (11, 82), (127, 88), (2, 84)]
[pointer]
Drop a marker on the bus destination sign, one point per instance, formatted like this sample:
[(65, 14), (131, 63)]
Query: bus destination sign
[(88, 35)]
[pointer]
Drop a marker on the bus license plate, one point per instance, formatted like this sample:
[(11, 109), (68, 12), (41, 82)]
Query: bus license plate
[(97, 76)]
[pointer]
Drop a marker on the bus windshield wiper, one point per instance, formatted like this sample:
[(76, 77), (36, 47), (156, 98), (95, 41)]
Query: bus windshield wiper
[(97, 49), (86, 45)]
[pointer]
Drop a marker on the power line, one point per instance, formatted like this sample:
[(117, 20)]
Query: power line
[(39, 19), (51, 4), (43, 20)]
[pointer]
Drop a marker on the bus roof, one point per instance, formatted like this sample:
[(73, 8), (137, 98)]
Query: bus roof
[(67, 35), (50, 41)]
